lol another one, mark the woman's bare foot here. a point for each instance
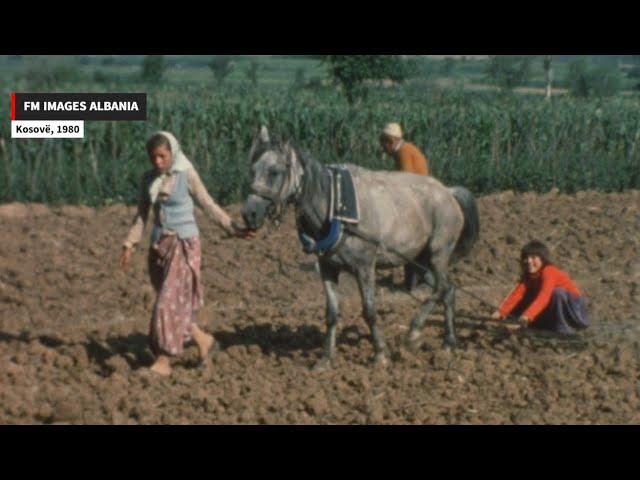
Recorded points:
(205, 346)
(161, 366)
(203, 340)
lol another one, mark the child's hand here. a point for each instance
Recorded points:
(522, 324)
(496, 315)
(125, 257)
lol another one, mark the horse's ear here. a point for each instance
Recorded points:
(264, 134)
(261, 139)
(286, 148)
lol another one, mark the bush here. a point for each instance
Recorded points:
(593, 81)
(508, 71)
(447, 66)
(634, 72)
(45, 76)
(252, 73)
(100, 76)
(299, 80)
(314, 83)
(221, 68)
(153, 68)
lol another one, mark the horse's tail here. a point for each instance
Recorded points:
(471, 230)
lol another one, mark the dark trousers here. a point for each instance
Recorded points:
(565, 313)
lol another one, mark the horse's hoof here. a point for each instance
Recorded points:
(322, 365)
(380, 360)
(411, 342)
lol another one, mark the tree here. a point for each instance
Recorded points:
(300, 80)
(352, 71)
(548, 74)
(593, 81)
(221, 68)
(153, 68)
(252, 73)
(508, 71)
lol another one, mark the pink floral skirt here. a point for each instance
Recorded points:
(174, 268)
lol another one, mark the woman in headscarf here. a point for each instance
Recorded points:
(174, 254)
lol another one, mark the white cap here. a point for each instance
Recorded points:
(393, 130)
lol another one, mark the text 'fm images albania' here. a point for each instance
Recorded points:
(339, 239)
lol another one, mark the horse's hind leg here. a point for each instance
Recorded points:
(417, 322)
(366, 283)
(447, 295)
(330, 282)
(449, 300)
(443, 292)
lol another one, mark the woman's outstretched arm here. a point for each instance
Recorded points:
(142, 214)
(139, 222)
(199, 191)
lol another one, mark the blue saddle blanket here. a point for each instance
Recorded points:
(344, 197)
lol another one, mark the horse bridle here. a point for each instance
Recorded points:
(278, 204)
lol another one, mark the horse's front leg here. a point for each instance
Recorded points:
(366, 282)
(330, 276)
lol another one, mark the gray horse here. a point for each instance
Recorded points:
(411, 216)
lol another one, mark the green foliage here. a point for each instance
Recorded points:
(46, 76)
(508, 71)
(585, 81)
(105, 77)
(634, 72)
(351, 71)
(221, 68)
(299, 80)
(100, 76)
(447, 66)
(484, 141)
(83, 59)
(252, 73)
(153, 68)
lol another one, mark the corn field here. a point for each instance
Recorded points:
(487, 142)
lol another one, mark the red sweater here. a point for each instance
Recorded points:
(538, 289)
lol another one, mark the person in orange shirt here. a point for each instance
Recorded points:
(546, 297)
(408, 159)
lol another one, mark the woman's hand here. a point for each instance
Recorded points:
(242, 232)
(125, 257)
(523, 321)
(496, 315)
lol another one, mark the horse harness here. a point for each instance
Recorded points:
(343, 209)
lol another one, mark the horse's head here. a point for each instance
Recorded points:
(277, 176)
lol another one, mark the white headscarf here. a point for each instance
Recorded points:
(179, 163)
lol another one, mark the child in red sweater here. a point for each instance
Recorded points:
(545, 298)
